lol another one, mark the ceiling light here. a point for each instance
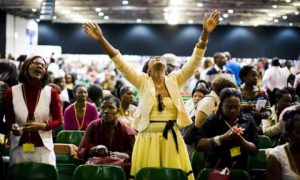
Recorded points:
(297, 13)
(138, 20)
(190, 21)
(287, 1)
(125, 2)
(106, 17)
(272, 14)
(98, 9)
(275, 20)
(241, 22)
(39, 1)
(199, 4)
(290, 24)
(166, 9)
(296, 4)
(284, 17)
(225, 15)
(172, 22)
(221, 19)
(230, 11)
(33, 10)
(274, 6)
(54, 17)
(100, 14)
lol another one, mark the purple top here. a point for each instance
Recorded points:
(70, 122)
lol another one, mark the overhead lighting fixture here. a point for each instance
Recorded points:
(98, 9)
(38, 20)
(100, 14)
(290, 24)
(39, 1)
(288, 1)
(125, 2)
(106, 17)
(274, 6)
(139, 20)
(296, 4)
(200, 4)
(241, 22)
(297, 13)
(275, 20)
(225, 15)
(284, 17)
(54, 17)
(230, 11)
(190, 21)
(167, 9)
(33, 10)
(221, 19)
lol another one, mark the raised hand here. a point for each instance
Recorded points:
(93, 30)
(211, 22)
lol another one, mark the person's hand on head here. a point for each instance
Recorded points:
(211, 22)
(93, 30)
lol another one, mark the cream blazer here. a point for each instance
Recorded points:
(144, 83)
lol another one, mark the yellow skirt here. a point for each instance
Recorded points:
(151, 149)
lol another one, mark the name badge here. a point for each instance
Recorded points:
(28, 147)
(235, 151)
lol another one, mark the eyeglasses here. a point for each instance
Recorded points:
(161, 105)
(36, 63)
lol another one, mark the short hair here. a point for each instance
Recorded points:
(280, 92)
(24, 75)
(275, 61)
(245, 70)
(112, 99)
(73, 77)
(76, 87)
(226, 93)
(217, 55)
(123, 90)
(146, 66)
(95, 92)
(8, 72)
(291, 117)
(219, 83)
(58, 80)
(199, 89)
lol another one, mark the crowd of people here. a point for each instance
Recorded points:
(147, 123)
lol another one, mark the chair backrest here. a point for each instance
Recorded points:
(264, 142)
(198, 162)
(257, 161)
(66, 171)
(69, 137)
(32, 171)
(151, 173)
(96, 172)
(235, 174)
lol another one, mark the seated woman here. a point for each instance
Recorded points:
(228, 136)
(255, 101)
(117, 137)
(284, 161)
(78, 115)
(270, 126)
(210, 103)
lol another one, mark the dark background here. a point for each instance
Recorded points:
(149, 39)
(2, 33)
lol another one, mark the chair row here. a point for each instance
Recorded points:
(39, 171)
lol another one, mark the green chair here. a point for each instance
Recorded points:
(257, 165)
(69, 137)
(198, 162)
(96, 172)
(235, 174)
(264, 142)
(66, 171)
(151, 173)
(32, 171)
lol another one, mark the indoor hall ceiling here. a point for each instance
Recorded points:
(234, 12)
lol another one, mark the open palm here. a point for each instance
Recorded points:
(211, 22)
(92, 30)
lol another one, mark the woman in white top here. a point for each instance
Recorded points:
(284, 161)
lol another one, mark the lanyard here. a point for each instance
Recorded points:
(83, 117)
(25, 99)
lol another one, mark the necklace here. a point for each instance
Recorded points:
(293, 162)
(83, 116)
